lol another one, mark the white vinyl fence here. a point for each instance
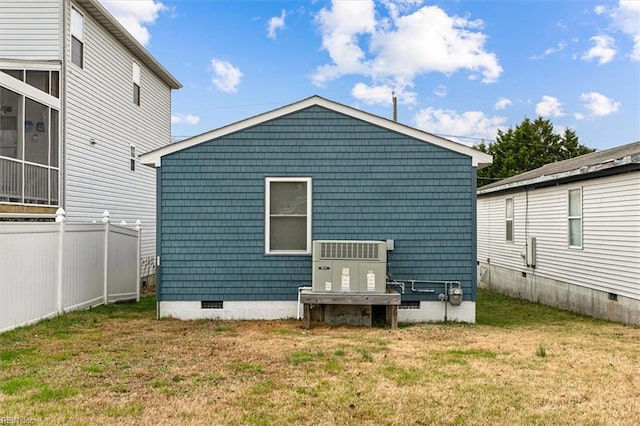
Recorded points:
(47, 269)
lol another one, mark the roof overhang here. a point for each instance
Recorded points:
(100, 14)
(609, 167)
(479, 159)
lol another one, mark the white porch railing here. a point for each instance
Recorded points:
(31, 183)
(47, 269)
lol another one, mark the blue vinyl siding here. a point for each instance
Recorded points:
(368, 184)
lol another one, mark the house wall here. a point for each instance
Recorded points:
(368, 184)
(608, 262)
(99, 107)
(30, 29)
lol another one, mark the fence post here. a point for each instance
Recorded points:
(105, 220)
(139, 229)
(60, 219)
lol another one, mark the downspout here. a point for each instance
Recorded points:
(158, 279)
(62, 154)
(474, 236)
(526, 214)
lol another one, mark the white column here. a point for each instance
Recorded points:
(139, 229)
(105, 220)
(60, 219)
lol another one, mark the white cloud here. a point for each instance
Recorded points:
(340, 28)
(561, 45)
(440, 91)
(502, 103)
(551, 50)
(635, 53)
(275, 23)
(225, 76)
(450, 124)
(136, 16)
(407, 43)
(189, 119)
(625, 18)
(381, 94)
(549, 107)
(579, 116)
(603, 50)
(599, 105)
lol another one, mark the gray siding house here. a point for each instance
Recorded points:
(80, 99)
(567, 234)
(239, 207)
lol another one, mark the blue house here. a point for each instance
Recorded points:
(239, 208)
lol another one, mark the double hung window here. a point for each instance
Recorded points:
(288, 215)
(574, 214)
(136, 84)
(77, 37)
(508, 219)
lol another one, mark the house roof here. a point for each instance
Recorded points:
(100, 14)
(576, 168)
(479, 159)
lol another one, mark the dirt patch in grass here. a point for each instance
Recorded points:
(118, 364)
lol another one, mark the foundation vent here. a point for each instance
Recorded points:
(211, 304)
(409, 304)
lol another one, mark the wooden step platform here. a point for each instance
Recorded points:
(390, 299)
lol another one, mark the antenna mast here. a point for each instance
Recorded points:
(395, 106)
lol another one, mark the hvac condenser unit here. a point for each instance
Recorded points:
(349, 266)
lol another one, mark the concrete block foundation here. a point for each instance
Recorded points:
(536, 288)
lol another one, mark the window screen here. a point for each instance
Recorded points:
(288, 226)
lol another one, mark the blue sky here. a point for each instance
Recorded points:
(460, 69)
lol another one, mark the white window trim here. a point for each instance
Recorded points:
(570, 218)
(509, 219)
(267, 215)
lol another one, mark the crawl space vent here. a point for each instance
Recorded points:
(410, 304)
(211, 304)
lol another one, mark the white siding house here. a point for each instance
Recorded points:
(573, 240)
(80, 99)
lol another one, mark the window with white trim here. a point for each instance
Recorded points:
(132, 160)
(508, 219)
(288, 215)
(136, 84)
(77, 37)
(574, 214)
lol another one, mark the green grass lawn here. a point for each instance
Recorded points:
(522, 363)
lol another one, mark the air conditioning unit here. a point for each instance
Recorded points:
(349, 266)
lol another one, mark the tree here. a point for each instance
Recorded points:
(530, 145)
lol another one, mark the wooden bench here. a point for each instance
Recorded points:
(390, 299)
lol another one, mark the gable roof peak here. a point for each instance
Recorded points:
(479, 159)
